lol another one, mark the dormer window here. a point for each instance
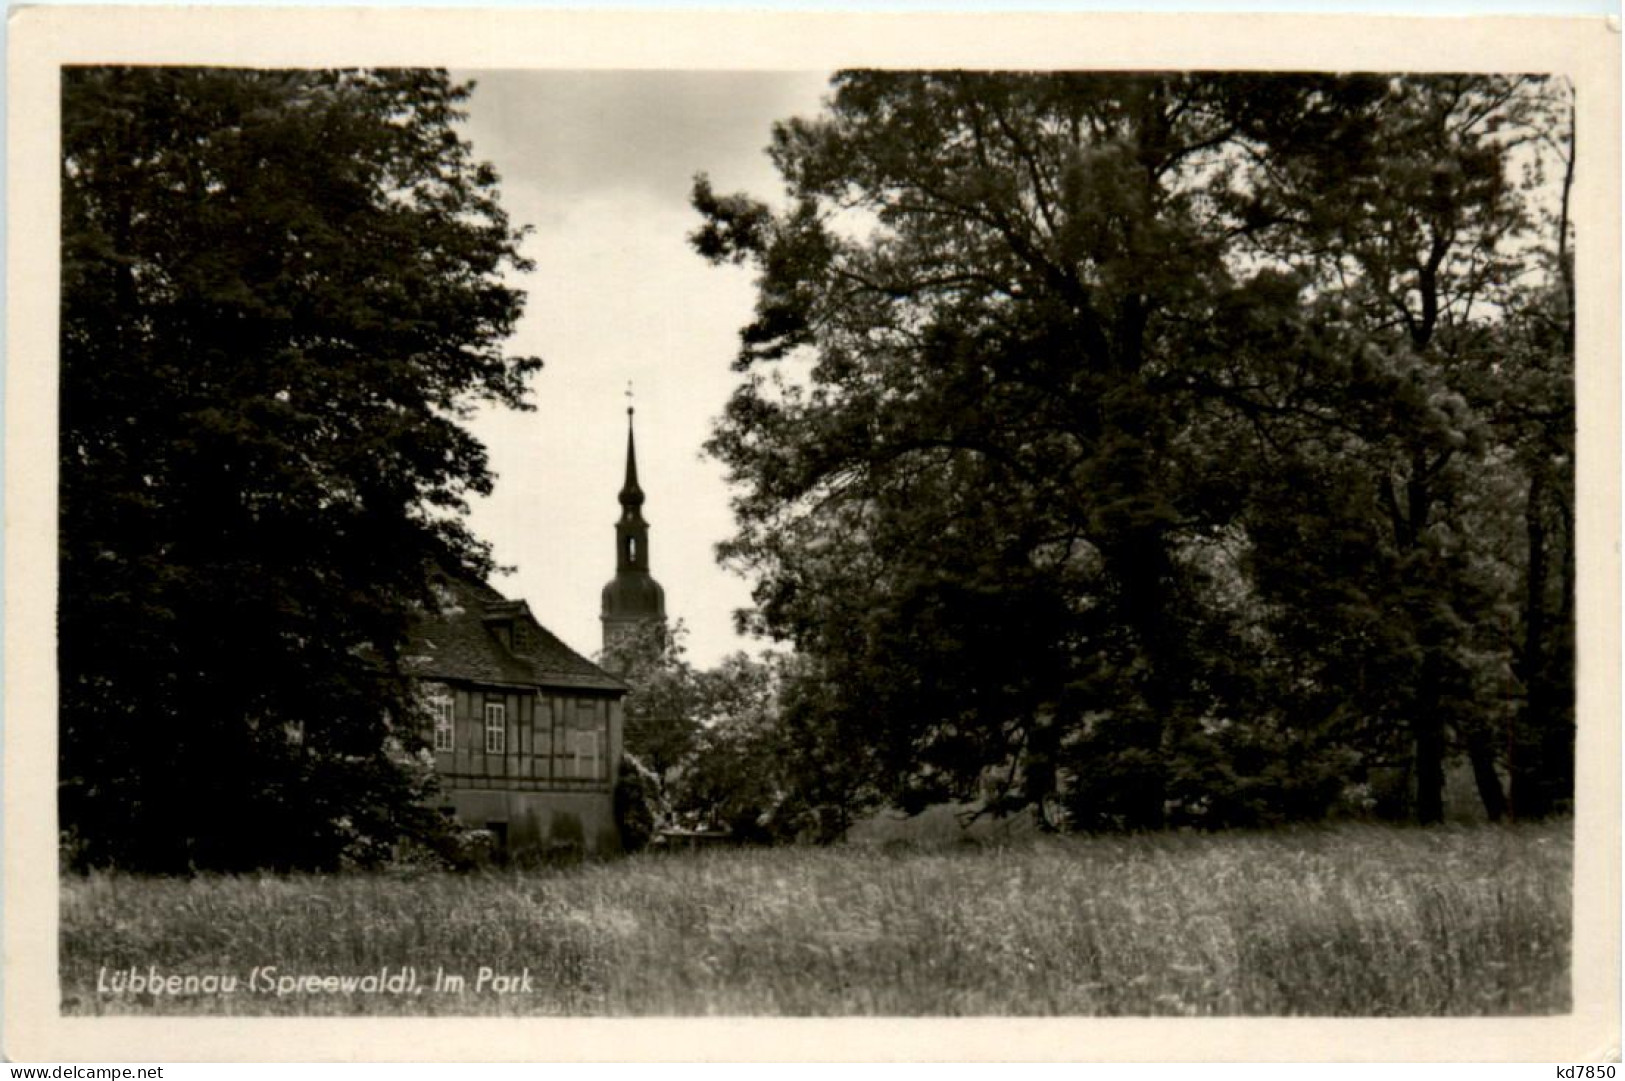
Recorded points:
(505, 619)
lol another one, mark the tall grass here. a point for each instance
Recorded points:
(1347, 921)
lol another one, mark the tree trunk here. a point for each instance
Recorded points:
(1543, 756)
(1429, 770)
(1543, 736)
(1142, 568)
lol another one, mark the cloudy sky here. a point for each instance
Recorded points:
(600, 164)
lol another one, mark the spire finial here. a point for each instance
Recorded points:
(629, 403)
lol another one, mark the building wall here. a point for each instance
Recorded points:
(540, 820)
(552, 782)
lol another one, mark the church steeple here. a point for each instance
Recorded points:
(632, 599)
(631, 532)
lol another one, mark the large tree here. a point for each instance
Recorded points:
(1383, 453)
(1120, 445)
(282, 291)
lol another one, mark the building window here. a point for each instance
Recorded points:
(591, 753)
(496, 728)
(585, 743)
(440, 706)
(542, 736)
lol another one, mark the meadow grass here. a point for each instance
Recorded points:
(1344, 921)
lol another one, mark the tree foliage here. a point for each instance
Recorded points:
(282, 291)
(663, 702)
(710, 748)
(1142, 447)
(740, 776)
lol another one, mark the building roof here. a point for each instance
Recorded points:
(480, 636)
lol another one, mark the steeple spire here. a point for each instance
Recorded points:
(631, 494)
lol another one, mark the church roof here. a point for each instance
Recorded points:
(480, 636)
(633, 595)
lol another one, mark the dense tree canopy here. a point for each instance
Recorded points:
(282, 291)
(1142, 448)
(708, 748)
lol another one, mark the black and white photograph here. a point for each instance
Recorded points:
(910, 539)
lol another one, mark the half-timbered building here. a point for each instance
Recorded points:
(527, 732)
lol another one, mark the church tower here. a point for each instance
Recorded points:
(632, 599)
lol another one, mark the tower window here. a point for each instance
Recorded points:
(632, 549)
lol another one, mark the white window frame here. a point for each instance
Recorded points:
(496, 728)
(444, 709)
